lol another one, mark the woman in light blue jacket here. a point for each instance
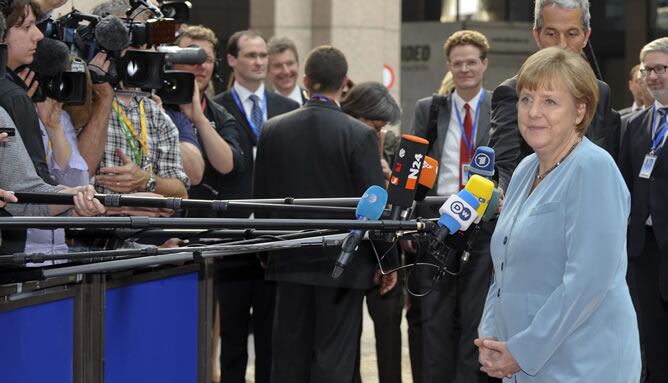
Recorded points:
(558, 309)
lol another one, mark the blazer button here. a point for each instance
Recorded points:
(651, 179)
(505, 240)
(501, 266)
(498, 293)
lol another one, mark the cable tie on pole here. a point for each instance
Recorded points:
(173, 203)
(113, 200)
(248, 233)
(219, 205)
(289, 200)
(140, 223)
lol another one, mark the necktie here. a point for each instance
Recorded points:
(257, 117)
(464, 149)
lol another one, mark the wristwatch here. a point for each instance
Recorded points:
(150, 184)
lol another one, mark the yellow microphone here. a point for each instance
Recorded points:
(483, 189)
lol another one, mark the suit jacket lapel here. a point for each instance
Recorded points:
(240, 115)
(442, 125)
(482, 135)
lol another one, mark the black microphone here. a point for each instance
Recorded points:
(406, 168)
(370, 207)
(111, 34)
(51, 58)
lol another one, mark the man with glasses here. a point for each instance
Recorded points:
(448, 316)
(642, 162)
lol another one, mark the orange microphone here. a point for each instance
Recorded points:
(427, 178)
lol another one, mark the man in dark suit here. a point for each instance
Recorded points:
(317, 151)
(563, 23)
(643, 162)
(450, 313)
(241, 284)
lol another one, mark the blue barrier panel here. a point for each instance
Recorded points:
(151, 331)
(37, 343)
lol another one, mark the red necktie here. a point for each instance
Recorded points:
(464, 152)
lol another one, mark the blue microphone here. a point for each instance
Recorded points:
(483, 162)
(369, 207)
(457, 214)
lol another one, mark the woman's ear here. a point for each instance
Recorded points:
(581, 110)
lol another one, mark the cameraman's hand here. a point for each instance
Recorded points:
(85, 203)
(48, 112)
(123, 179)
(194, 110)
(28, 76)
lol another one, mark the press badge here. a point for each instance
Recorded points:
(647, 165)
(465, 173)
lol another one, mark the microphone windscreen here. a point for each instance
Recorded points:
(372, 203)
(482, 162)
(459, 211)
(111, 34)
(483, 189)
(51, 57)
(406, 169)
(428, 174)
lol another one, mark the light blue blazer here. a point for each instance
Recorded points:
(559, 296)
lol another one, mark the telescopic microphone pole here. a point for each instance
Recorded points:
(209, 223)
(18, 259)
(116, 200)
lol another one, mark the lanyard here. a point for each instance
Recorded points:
(263, 108)
(131, 133)
(469, 141)
(319, 97)
(659, 133)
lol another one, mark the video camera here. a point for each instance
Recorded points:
(85, 35)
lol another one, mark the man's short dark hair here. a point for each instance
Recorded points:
(233, 41)
(326, 68)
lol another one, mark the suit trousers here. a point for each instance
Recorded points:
(245, 303)
(651, 308)
(316, 333)
(450, 315)
(385, 311)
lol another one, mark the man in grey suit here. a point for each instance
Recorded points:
(448, 317)
(565, 24)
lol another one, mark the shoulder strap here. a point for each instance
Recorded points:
(432, 122)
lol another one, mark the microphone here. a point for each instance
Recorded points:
(406, 170)
(51, 58)
(483, 189)
(483, 162)
(369, 207)
(427, 178)
(188, 56)
(111, 34)
(457, 214)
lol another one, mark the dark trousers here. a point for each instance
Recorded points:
(244, 304)
(450, 315)
(652, 309)
(316, 333)
(385, 311)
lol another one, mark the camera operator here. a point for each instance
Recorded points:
(142, 151)
(217, 130)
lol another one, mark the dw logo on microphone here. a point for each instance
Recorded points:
(460, 210)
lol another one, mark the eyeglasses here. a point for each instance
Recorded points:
(658, 69)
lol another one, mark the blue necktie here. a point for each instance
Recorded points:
(257, 117)
(661, 127)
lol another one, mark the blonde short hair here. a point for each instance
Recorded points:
(554, 67)
(467, 37)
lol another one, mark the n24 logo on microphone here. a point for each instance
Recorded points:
(460, 210)
(414, 171)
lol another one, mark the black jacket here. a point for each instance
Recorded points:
(317, 151)
(214, 185)
(239, 184)
(15, 100)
